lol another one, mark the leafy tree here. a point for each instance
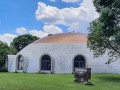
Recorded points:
(22, 41)
(104, 32)
(4, 51)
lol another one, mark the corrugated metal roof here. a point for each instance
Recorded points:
(64, 38)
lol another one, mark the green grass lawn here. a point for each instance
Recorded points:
(25, 81)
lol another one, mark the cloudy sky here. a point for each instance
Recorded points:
(41, 17)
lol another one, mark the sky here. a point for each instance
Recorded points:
(43, 17)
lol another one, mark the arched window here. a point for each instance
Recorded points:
(79, 62)
(45, 62)
(20, 63)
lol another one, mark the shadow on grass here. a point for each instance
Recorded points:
(110, 78)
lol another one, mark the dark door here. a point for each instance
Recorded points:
(46, 63)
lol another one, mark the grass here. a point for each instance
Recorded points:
(25, 81)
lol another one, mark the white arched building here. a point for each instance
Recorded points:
(60, 53)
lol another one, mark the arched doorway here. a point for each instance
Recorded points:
(79, 62)
(20, 62)
(46, 63)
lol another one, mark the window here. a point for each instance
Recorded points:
(20, 63)
(79, 62)
(46, 63)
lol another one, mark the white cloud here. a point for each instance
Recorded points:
(71, 1)
(75, 18)
(52, 29)
(21, 30)
(8, 38)
(52, 0)
(38, 33)
(47, 29)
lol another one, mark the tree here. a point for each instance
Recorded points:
(22, 41)
(104, 32)
(4, 51)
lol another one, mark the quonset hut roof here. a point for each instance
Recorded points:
(63, 38)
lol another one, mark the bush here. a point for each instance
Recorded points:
(3, 70)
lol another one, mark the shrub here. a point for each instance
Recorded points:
(3, 69)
